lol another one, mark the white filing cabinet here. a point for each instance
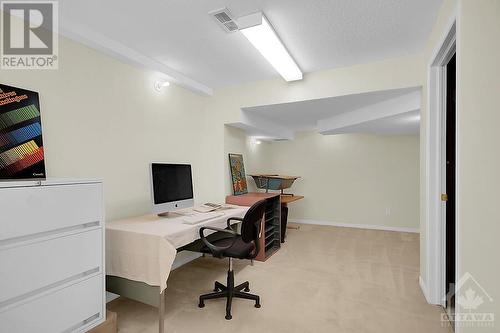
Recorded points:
(51, 256)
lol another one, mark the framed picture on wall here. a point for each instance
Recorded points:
(238, 175)
(21, 145)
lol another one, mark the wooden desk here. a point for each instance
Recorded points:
(286, 199)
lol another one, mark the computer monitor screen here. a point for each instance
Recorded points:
(172, 186)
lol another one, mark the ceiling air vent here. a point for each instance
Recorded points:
(224, 19)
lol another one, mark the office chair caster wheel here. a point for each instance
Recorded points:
(216, 289)
(246, 289)
(201, 305)
(229, 317)
(257, 305)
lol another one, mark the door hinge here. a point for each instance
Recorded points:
(444, 197)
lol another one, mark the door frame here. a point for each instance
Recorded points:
(435, 212)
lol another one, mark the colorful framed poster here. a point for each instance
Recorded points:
(238, 174)
(21, 145)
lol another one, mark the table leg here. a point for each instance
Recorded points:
(293, 227)
(286, 217)
(161, 313)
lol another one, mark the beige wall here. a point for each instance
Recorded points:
(255, 156)
(352, 178)
(224, 106)
(340, 174)
(478, 57)
(478, 162)
(103, 119)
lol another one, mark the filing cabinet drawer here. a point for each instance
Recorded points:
(40, 209)
(35, 266)
(65, 310)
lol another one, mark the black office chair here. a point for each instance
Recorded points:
(244, 246)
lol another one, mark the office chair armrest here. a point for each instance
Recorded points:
(233, 219)
(217, 250)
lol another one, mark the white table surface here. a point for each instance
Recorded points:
(143, 248)
(173, 228)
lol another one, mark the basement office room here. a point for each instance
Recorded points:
(249, 165)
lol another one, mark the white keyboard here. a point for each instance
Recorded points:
(208, 207)
(198, 218)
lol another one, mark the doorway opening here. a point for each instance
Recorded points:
(449, 197)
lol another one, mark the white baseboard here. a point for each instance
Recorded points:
(424, 289)
(359, 226)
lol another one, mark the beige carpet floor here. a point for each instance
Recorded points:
(323, 279)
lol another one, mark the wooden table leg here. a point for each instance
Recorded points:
(161, 313)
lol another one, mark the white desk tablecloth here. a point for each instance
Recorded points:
(143, 248)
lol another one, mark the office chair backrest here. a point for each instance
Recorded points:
(250, 228)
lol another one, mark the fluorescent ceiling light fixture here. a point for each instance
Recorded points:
(257, 29)
(159, 85)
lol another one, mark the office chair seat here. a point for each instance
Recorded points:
(239, 249)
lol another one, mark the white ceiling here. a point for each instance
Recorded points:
(304, 115)
(407, 123)
(181, 38)
(380, 112)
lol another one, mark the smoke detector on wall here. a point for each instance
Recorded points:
(224, 19)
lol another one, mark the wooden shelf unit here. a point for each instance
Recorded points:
(270, 241)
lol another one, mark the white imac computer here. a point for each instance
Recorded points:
(171, 187)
